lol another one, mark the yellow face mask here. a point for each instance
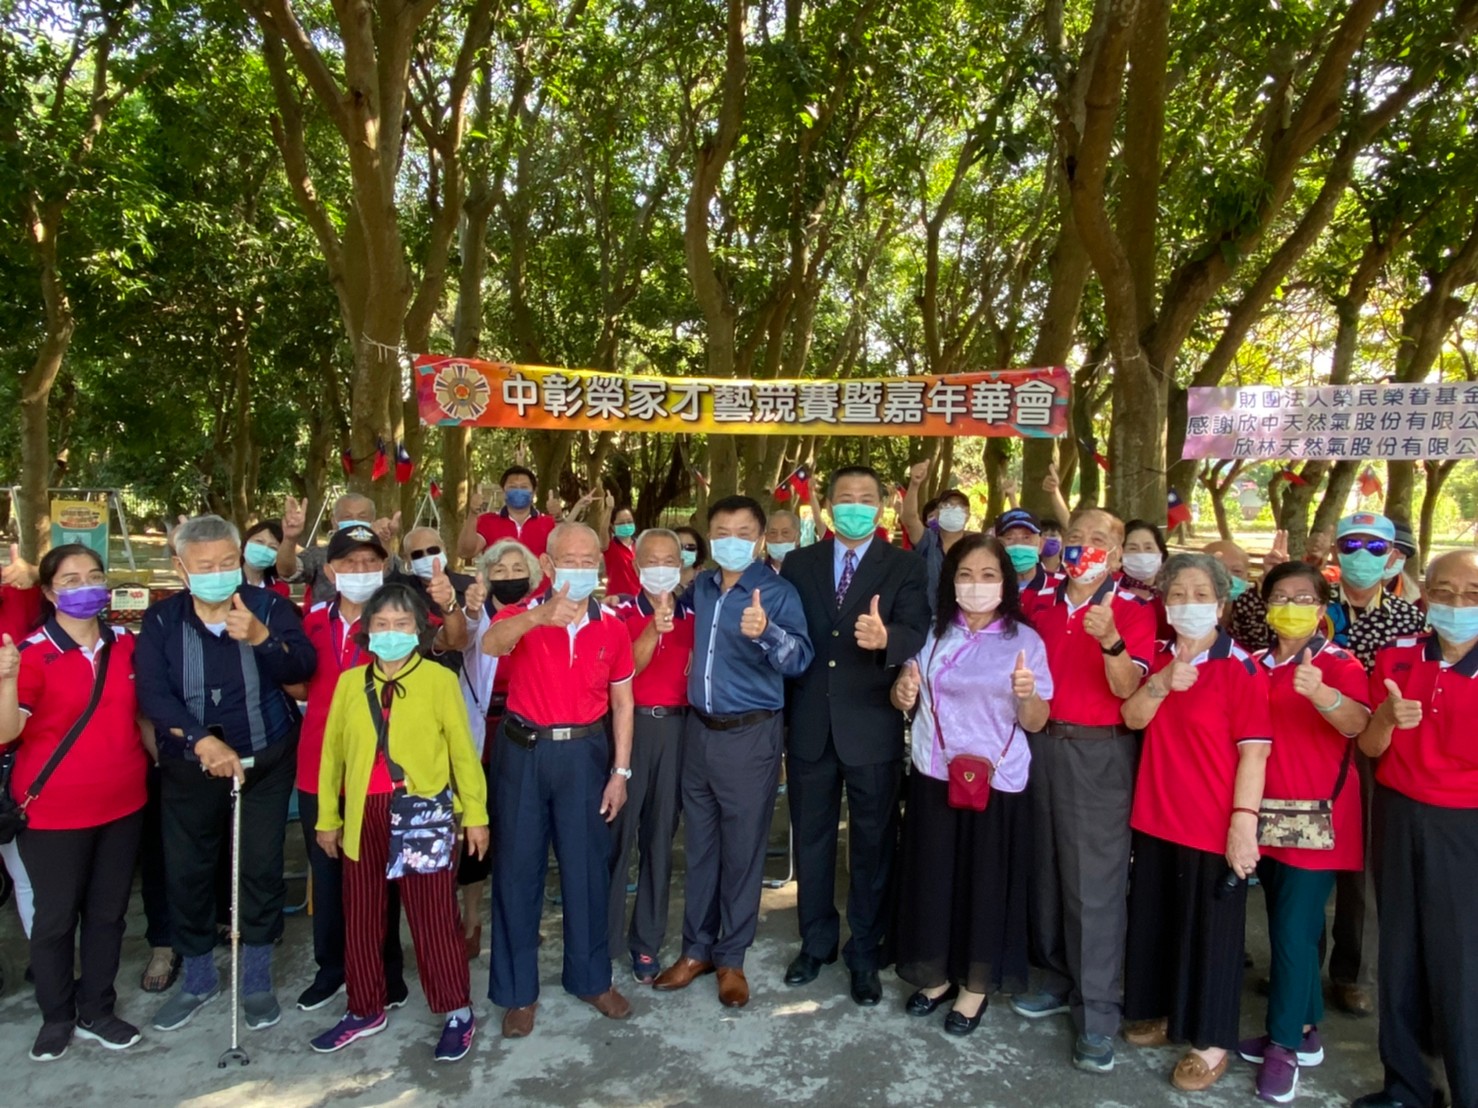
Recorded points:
(1294, 621)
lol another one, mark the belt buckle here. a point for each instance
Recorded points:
(560, 734)
(659, 712)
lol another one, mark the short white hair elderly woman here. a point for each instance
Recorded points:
(1207, 736)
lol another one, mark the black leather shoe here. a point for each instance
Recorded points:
(805, 969)
(921, 1005)
(1378, 1100)
(867, 990)
(957, 1023)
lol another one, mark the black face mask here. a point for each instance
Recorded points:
(507, 591)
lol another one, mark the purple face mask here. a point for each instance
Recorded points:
(1051, 548)
(84, 602)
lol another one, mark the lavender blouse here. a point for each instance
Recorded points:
(966, 692)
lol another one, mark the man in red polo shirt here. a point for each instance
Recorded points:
(1426, 842)
(1100, 641)
(517, 519)
(558, 776)
(661, 630)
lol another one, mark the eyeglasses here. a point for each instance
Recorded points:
(1452, 598)
(693, 549)
(429, 552)
(1351, 543)
(1302, 600)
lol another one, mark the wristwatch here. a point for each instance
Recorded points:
(1115, 650)
(624, 772)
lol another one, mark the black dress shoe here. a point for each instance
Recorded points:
(957, 1023)
(922, 1005)
(867, 990)
(1378, 1100)
(804, 969)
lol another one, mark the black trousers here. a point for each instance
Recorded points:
(82, 877)
(197, 827)
(1427, 858)
(648, 822)
(151, 867)
(1354, 899)
(815, 793)
(328, 906)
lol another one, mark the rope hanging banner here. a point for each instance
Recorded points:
(1019, 403)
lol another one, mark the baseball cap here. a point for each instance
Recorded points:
(346, 540)
(1016, 517)
(1366, 523)
(1405, 540)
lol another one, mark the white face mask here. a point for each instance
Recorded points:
(660, 579)
(953, 518)
(358, 587)
(1143, 567)
(1192, 621)
(425, 568)
(978, 596)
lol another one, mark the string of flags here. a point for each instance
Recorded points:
(404, 465)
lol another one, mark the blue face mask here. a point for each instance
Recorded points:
(1362, 568)
(778, 550)
(582, 582)
(1239, 586)
(392, 646)
(733, 553)
(1456, 625)
(690, 559)
(518, 499)
(854, 521)
(217, 587)
(1393, 570)
(624, 530)
(345, 524)
(259, 555)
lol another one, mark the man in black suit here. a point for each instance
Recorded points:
(867, 612)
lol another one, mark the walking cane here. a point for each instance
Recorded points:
(235, 1054)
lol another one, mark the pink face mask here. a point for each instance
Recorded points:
(978, 596)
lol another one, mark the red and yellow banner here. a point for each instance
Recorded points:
(1022, 403)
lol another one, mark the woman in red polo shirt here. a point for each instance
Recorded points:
(1317, 698)
(83, 820)
(1204, 712)
(618, 540)
(259, 556)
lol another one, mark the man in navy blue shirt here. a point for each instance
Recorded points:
(749, 636)
(210, 667)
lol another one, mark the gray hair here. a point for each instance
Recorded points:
(204, 529)
(343, 502)
(658, 533)
(1176, 564)
(565, 530)
(495, 554)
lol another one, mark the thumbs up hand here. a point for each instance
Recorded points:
(1308, 679)
(242, 626)
(871, 631)
(1098, 621)
(10, 659)
(1052, 482)
(662, 613)
(1182, 673)
(387, 530)
(475, 596)
(754, 621)
(19, 574)
(1401, 713)
(1023, 680)
(561, 611)
(440, 587)
(906, 687)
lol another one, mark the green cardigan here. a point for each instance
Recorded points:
(429, 739)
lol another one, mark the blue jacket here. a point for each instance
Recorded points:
(190, 679)
(732, 674)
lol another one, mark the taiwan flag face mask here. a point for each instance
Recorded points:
(1085, 563)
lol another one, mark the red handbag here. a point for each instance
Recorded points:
(969, 774)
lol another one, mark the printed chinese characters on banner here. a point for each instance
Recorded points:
(1376, 422)
(1015, 402)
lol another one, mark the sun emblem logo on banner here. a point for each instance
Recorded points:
(461, 391)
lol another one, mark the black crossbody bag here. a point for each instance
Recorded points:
(423, 831)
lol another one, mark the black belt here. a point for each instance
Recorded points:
(526, 734)
(733, 723)
(1059, 730)
(660, 712)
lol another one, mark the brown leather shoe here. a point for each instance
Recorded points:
(518, 1022)
(681, 974)
(1147, 1032)
(1193, 1075)
(610, 1004)
(733, 989)
(1354, 1000)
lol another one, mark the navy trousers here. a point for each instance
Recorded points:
(550, 793)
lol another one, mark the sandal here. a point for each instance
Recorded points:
(1193, 1075)
(1147, 1032)
(162, 971)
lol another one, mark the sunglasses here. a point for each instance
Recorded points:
(429, 552)
(1351, 543)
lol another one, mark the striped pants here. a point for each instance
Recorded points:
(430, 904)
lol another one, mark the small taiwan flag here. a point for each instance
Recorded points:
(435, 491)
(382, 461)
(1291, 477)
(797, 484)
(346, 459)
(403, 464)
(1369, 483)
(1176, 510)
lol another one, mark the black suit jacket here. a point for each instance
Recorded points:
(845, 692)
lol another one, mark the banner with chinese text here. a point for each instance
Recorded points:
(1367, 422)
(1028, 403)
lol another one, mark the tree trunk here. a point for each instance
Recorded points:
(241, 425)
(1437, 475)
(35, 400)
(1293, 512)
(1336, 493)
